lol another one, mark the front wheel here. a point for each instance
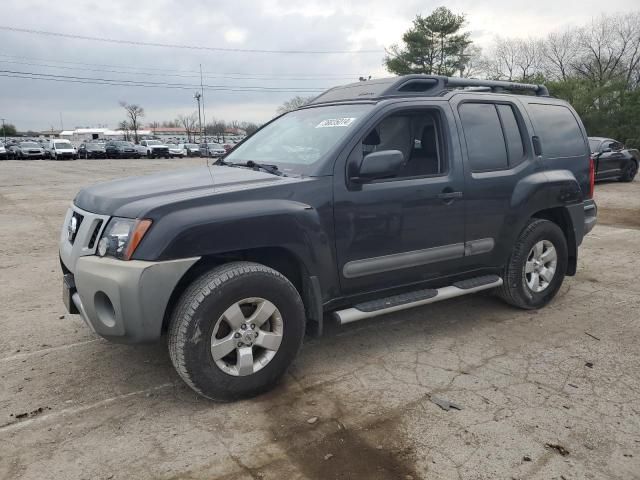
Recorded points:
(235, 331)
(629, 171)
(537, 266)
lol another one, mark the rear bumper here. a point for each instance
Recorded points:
(590, 215)
(125, 301)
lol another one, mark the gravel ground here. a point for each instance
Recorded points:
(547, 394)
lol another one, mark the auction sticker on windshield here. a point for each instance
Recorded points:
(335, 122)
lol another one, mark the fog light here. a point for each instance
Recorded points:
(103, 245)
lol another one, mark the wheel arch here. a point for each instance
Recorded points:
(278, 258)
(561, 217)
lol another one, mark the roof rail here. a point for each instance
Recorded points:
(497, 85)
(418, 85)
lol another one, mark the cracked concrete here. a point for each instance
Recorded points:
(523, 379)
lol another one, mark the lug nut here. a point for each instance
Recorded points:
(256, 334)
(239, 344)
(253, 326)
(236, 335)
(243, 326)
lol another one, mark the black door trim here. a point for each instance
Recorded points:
(415, 258)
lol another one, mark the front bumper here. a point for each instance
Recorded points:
(124, 301)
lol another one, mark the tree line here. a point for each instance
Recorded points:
(135, 113)
(596, 67)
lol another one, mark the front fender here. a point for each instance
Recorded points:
(221, 228)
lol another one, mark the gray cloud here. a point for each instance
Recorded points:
(269, 24)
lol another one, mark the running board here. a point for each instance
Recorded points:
(417, 298)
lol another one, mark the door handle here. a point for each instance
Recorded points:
(449, 195)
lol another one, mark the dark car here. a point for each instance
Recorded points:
(612, 160)
(92, 150)
(121, 149)
(3, 152)
(28, 150)
(376, 197)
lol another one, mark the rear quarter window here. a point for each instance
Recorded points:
(558, 129)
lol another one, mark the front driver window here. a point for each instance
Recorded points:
(417, 135)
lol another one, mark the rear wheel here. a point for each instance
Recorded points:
(235, 331)
(629, 171)
(536, 267)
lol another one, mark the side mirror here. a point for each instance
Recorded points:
(606, 150)
(378, 165)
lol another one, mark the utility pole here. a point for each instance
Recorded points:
(61, 124)
(4, 134)
(197, 96)
(203, 114)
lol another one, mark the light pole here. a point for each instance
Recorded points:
(4, 134)
(197, 96)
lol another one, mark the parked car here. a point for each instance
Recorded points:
(120, 149)
(176, 150)
(92, 150)
(191, 149)
(357, 208)
(28, 150)
(613, 161)
(212, 150)
(60, 150)
(3, 152)
(152, 149)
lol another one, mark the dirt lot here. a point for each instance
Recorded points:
(547, 394)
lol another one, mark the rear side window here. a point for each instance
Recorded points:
(558, 130)
(512, 135)
(483, 135)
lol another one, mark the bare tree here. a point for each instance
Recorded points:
(293, 104)
(559, 50)
(135, 113)
(188, 122)
(154, 126)
(124, 127)
(515, 59)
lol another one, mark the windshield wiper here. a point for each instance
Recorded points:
(269, 168)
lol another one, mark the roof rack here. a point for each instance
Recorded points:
(420, 86)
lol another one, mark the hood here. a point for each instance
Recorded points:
(157, 146)
(132, 197)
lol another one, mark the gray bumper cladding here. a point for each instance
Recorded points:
(125, 301)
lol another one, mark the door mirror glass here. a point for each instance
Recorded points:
(606, 150)
(379, 165)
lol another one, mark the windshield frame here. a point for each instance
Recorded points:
(324, 164)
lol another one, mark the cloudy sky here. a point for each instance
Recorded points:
(260, 81)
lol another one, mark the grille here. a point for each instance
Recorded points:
(94, 235)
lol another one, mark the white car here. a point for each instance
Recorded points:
(152, 149)
(176, 150)
(61, 149)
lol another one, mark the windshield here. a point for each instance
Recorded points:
(124, 144)
(593, 145)
(190, 145)
(29, 145)
(153, 142)
(62, 146)
(300, 138)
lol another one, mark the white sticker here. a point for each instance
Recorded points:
(335, 122)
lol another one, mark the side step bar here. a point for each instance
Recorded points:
(405, 301)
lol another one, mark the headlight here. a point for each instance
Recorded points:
(121, 237)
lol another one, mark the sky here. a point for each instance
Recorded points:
(260, 80)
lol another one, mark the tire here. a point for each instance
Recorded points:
(149, 155)
(199, 318)
(629, 172)
(516, 289)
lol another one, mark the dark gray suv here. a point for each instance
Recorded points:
(376, 197)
